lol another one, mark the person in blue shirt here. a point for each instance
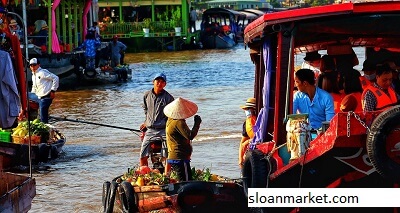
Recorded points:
(117, 48)
(90, 45)
(312, 100)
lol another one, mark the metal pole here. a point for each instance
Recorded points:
(25, 27)
(25, 23)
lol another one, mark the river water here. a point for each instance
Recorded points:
(218, 81)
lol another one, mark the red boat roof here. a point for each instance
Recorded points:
(314, 18)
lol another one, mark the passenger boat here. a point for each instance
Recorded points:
(16, 192)
(66, 30)
(220, 26)
(355, 149)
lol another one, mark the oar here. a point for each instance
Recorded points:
(98, 124)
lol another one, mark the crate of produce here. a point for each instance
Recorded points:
(18, 139)
(35, 139)
(5, 137)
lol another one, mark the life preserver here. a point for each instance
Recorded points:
(90, 73)
(111, 197)
(128, 197)
(105, 194)
(364, 82)
(195, 197)
(255, 170)
(383, 144)
(383, 101)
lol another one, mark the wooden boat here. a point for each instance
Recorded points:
(108, 74)
(104, 73)
(16, 192)
(16, 152)
(361, 147)
(222, 195)
(148, 190)
(61, 65)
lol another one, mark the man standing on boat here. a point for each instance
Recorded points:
(193, 19)
(154, 125)
(117, 48)
(44, 87)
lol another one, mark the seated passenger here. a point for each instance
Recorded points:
(312, 61)
(380, 95)
(369, 69)
(327, 64)
(396, 80)
(311, 99)
(41, 33)
(330, 84)
(352, 86)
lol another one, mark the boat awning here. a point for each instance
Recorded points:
(222, 11)
(352, 23)
(255, 11)
(249, 15)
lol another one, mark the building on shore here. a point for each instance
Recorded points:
(145, 25)
(239, 4)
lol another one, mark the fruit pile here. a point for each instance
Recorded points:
(37, 128)
(144, 176)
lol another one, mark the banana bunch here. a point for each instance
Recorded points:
(37, 128)
(21, 130)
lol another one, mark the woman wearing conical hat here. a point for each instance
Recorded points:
(179, 136)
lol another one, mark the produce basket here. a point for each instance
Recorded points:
(5, 136)
(35, 139)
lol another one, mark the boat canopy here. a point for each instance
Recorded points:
(255, 11)
(320, 27)
(249, 15)
(222, 12)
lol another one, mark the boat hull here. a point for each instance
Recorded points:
(16, 192)
(61, 67)
(188, 196)
(217, 42)
(122, 74)
(14, 154)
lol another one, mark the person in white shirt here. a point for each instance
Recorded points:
(44, 86)
(312, 61)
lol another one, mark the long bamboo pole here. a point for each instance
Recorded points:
(93, 123)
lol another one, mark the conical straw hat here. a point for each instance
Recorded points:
(180, 108)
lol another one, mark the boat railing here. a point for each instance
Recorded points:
(135, 29)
